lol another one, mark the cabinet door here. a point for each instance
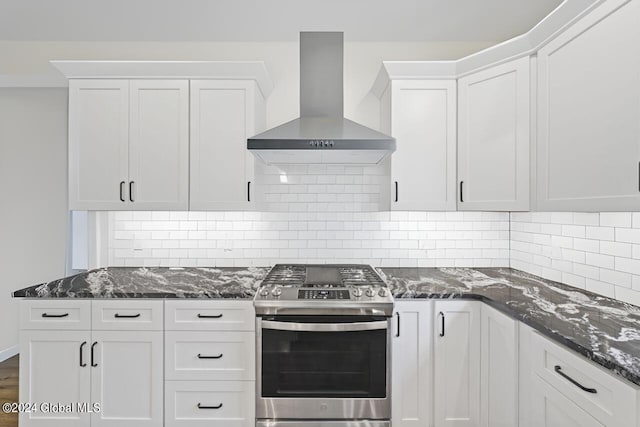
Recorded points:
(493, 138)
(128, 379)
(51, 371)
(457, 363)
(423, 167)
(499, 369)
(411, 364)
(98, 144)
(223, 115)
(589, 114)
(550, 408)
(159, 145)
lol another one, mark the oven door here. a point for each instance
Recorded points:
(323, 367)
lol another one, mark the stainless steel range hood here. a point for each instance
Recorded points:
(321, 134)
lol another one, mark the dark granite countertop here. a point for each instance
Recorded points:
(153, 282)
(602, 329)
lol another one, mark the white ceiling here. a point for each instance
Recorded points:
(268, 20)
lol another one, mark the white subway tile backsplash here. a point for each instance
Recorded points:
(596, 251)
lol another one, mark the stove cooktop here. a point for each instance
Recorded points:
(320, 287)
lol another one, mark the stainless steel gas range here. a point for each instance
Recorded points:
(323, 347)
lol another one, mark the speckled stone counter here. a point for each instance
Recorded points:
(602, 329)
(152, 282)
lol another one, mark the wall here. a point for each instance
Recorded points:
(595, 251)
(33, 184)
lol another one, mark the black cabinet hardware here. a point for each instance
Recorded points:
(461, 198)
(248, 191)
(82, 364)
(206, 316)
(201, 406)
(92, 355)
(558, 369)
(55, 315)
(396, 191)
(126, 316)
(398, 324)
(131, 190)
(441, 314)
(122, 191)
(209, 357)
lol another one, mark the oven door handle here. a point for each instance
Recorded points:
(324, 327)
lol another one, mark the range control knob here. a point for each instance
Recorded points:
(277, 291)
(264, 292)
(357, 292)
(383, 292)
(371, 292)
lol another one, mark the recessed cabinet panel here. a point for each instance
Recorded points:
(588, 114)
(159, 144)
(423, 121)
(223, 116)
(457, 363)
(493, 138)
(51, 372)
(98, 143)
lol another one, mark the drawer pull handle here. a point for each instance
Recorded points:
(206, 316)
(558, 369)
(209, 357)
(126, 316)
(55, 315)
(201, 406)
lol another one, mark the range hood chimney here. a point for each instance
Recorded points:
(321, 134)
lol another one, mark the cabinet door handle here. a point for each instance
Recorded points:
(131, 190)
(209, 357)
(248, 191)
(82, 363)
(441, 314)
(92, 354)
(207, 316)
(122, 191)
(126, 316)
(397, 324)
(55, 315)
(201, 406)
(558, 369)
(461, 198)
(396, 191)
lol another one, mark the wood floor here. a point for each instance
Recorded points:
(8, 390)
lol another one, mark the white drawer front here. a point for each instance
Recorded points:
(210, 315)
(130, 315)
(210, 356)
(70, 314)
(614, 401)
(222, 403)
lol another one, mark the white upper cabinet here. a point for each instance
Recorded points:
(159, 144)
(98, 144)
(421, 115)
(493, 138)
(128, 144)
(589, 113)
(224, 113)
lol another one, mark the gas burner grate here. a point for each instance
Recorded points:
(294, 275)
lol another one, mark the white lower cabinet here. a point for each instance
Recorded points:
(126, 378)
(498, 369)
(108, 377)
(411, 363)
(54, 368)
(210, 403)
(457, 363)
(210, 363)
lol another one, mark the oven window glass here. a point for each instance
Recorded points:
(324, 364)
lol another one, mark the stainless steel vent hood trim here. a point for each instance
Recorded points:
(321, 134)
